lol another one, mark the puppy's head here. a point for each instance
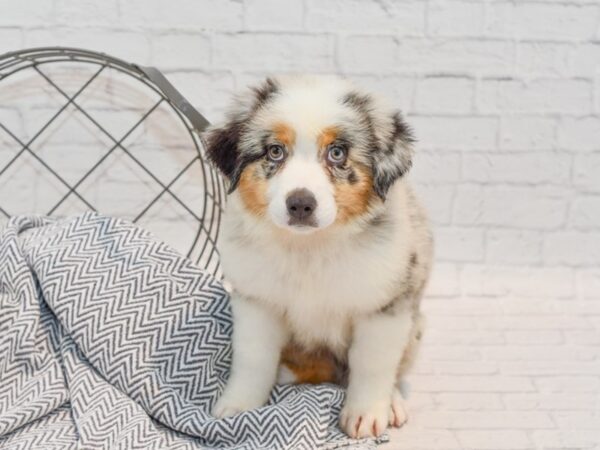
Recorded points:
(309, 152)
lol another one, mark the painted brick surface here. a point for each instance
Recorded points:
(504, 98)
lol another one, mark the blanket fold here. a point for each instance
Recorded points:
(111, 339)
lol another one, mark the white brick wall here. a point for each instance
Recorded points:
(504, 97)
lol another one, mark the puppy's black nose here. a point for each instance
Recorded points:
(301, 205)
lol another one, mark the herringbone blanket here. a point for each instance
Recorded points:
(111, 339)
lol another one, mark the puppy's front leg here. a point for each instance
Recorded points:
(258, 338)
(372, 401)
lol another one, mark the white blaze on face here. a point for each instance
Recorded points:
(308, 106)
(302, 173)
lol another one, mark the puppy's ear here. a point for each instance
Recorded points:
(222, 149)
(392, 157)
(223, 143)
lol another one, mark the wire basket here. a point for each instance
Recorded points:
(81, 131)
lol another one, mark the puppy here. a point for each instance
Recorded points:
(325, 245)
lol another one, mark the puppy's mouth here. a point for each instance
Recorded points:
(301, 224)
(302, 228)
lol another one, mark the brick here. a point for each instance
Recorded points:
(455, 18)
(499, 20)
(542, 322)
(468, 204)
(595, 321)
(545, 368)
(222, 15)
(397, 91)
(572, 248)
(398, 18)
(494, 439)
(584, 59)
(452, 95)
(478, 280)
(444, 281)
(356, 54)
(567, 401)
(142, 13)
(464, 401)
(534, 337)
(438, 201)
(471, 384)
(90, 12)
(586, 170)
(274, 15)
(466, 368)
(279, 52)
(490, 420)
(527, 133)
(27, 13)
(513, 305)
(586, 307)
(559, 384)
(181, 50)
(439, 352)
(539, 20)
(11, 118)
(577, 420)
(579, 133)
(513, 247)
(465, 337)
(459, 244)
(589, 281)
(524, 168)
(583, 337)
(210, 92)
(10, 39)
(561, 96)
(415, 438)
(537, 353)
(542, 59)
(130, 46)
(585, 213)
(562, 439)
(462, 56)
(521, 207)
(434, 167)
(597, 94)
(455, 133)
(467, 307)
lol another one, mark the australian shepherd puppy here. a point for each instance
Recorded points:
(325, 246)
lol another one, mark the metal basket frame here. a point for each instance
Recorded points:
(35, 59)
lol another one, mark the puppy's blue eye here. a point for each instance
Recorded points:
(336, 154)
(275, 152)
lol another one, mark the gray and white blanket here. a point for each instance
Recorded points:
(111, 339)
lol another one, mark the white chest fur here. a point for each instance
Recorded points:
(318, 287)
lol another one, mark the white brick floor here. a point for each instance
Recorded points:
(513, 371)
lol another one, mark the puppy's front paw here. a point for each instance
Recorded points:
(364, 420)
(231, 404)
(360, 420)
(398, 416)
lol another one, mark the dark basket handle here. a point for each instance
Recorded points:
(198, 121)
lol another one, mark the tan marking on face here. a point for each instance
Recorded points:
(284, 134)
(253, 190)
(327, 136)
(353, 199)
(310, 366)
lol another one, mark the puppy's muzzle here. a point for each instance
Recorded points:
(301, 205)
